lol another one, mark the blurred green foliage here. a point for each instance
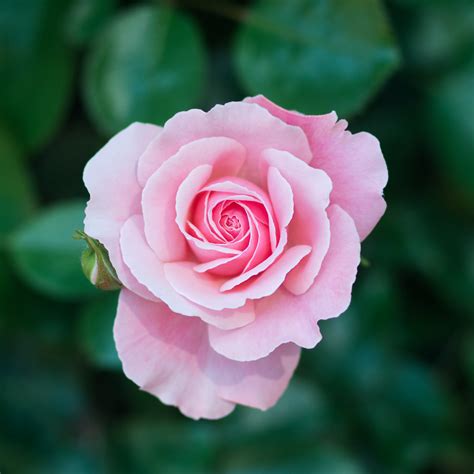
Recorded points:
(390, 388)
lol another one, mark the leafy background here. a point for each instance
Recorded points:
(390, 388)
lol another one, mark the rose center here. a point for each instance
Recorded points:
(230, 223)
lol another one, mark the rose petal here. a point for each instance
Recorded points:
(354, 163)
(149, 270)
(169, 356)
(113, 168)
(224, 154)
(160, 352)
(330, 294)
(187, 191)
(251, 125)
(280, 319)
(200, 218)
(281, 196)
(310, 224)
(253, 269)
(284, 317)
(259, 247)
(204, 289)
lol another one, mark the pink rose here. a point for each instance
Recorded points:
(233, 232)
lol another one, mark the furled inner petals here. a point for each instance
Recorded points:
(232, 220)
(228, 214)
(205, 290)
(257, 249)
(249, 192)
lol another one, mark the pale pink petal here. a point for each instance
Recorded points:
(149, 270)
(204, 289)
(160, 351)
(310, 225)
(206, 252)
(261, 267)
(187, 191)
(200, 219)
(331, 291)
(158, 201)
(281, 196)
(259, 247)
(280, 318)
(251, 125)
(284, 317)
(354, 163)
(110, 178)
(258, 384)
(169, 356)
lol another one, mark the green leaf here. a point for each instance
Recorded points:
(30, 315)
(17, 199)
(312, 461)
(43, 410)
(47, 257)
(449, 114)
(316, 56)
(60, 165)
(146, 446)
(95, 335)
(146, 66)
(437, 35)
(468, 359)
(35, 68)
(86, 17)
(38, 414)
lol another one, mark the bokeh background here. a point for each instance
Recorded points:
(390, 388)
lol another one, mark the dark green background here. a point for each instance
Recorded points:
(390, 388)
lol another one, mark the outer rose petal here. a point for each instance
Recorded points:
(310, 225)
(205, 289)
(110, 178)
(169, 356)
(283, 317)
(149, 270)
(249, 124)
(354, 163)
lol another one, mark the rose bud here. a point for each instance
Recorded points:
(96, 264)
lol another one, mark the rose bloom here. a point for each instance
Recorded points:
(233, 232)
